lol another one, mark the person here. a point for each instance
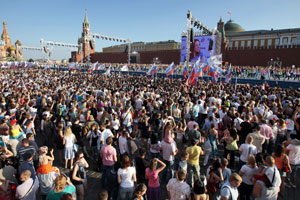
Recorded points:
(214, 140)
(182, 163)
(25, 148)
(139, 192)
(200, 191)
(258, 140)
(112, 185)
(168, 153)
(230, 189)
(294, 157)
(141, 164)
(246, 150)
(109, 157)
(27, 190)
(207, 148)
(152, 174)
(177, 188)
(94, 136)
(78, 175)
(62, 185)
(226, 172)
(231, 146)
(154, 146)
(66, 196)
(60, 142)
(196, 51)
(126, 179)
(27, 164)
(193, 169)
(103, 195)
(43, 158)
(247, 171)
(69, 141)
(214, 179)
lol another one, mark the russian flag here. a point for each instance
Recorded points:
(212, 71)
(185, 72)
(93, 67)
(228, 75)
(72, 66)
(192, 77)
(170, 70)
(152, 70)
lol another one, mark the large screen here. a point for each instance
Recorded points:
(199, 48)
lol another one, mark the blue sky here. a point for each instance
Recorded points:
(140, 20)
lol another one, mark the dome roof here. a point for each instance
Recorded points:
(230, 26)
(18, 43)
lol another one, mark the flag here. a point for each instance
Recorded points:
(229, 12)
(185, 71)
(72, 66)
(212, 71)
(152, 70)
(192, 77)
(170, 70)
(228, 75)
(93, 67)
(124, 68)
(24, 85)
(102, 67)
(235, 83)
(107, 73)
(215, 60)
(215, 79)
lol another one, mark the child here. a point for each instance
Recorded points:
(206, 148)
(139, 192)
(43, 158)
(182, 163)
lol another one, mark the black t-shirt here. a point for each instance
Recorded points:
(246, 128)
(77, 130)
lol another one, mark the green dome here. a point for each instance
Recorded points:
(230, 26)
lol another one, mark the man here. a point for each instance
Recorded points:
(246, 150)
(194, 134)
(193, 169)
(229, 190)
(109, 157)
(127, 119)
(192, 123)
(177, 188)
(169, 150)
(106, 133)
(27, 163)
(267, 132)
(27, 190)
(258, 140)
(245, 129)
(24, 148)
(294, 157)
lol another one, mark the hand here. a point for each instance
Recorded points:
(51, 151)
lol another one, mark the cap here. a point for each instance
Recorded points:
(12, 122)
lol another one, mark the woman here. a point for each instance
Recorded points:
(214, 178)
(152, 174)
(154, 146)
(282, 163)
(200, 191)
(69, 141)
(16, 131)
(126, 179)
(60, 142)
(281, 131)
(247, 171)
(214, 140)
(231, 146)
(180, 134)
(62, 185)
(94, 139)
(79, 178)
(139, 192)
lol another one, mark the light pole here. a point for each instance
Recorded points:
(188, 38)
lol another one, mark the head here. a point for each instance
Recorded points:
(224, 162)
(30, 136)
(43, 150)
(25, 142)
(235, 180)
(68, 132)
(143, 152)
(153, 164)
(103, 194)
(279, 150)
(184, 155)
(125, 161)
(140, 190)
(25, 175)
(269, 160)
(250, 140)
(196, 47)
(109, 140)
(79, 156)
(66, 196)
(181, 175)
(199, 188)
(60, 183)
(251, 161)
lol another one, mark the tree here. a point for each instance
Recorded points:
(30, 60)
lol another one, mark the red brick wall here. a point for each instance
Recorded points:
(109, 57)
(261, 56)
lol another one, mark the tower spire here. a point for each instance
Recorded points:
(86, 21)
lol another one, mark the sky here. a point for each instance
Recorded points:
(139, 20)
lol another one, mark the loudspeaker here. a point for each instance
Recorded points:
(192, 36)
(211, 43)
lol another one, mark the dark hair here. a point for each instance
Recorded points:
(103, 194)
(233, 133)
(216, 165)
(109, 140)
(199, 187)
(143, 152)
(153, 138)
(28, 135)
(77, 155)
(181, 175)
(139, 188)
(66, 196)
(25, 141)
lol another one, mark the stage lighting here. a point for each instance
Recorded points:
(188, 14)
(195, 24)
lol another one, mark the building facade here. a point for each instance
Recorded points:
(9, 52)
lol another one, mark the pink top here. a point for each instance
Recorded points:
(168, 137)
(266, 131)
(108, 153)
(153, 178)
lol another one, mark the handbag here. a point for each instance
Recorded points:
(75, 147)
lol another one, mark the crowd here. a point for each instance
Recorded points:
(148, 138)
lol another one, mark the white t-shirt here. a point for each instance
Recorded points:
(138, 104)
(105, 134)
(127, 118)
(69, 141)
(294, 154)
(246, 150)
(229, 192)
(123, 144)
(154, 147)
(24, 188)
(248, 174)
(126, 177)
(167, 150)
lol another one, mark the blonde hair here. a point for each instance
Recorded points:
(251, 161)
(235, 177)
(68, 132)
(60, 183)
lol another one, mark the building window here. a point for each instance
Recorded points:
(255, 43)
(262, 43)
(230, 44)
(249, 43)
(242, 44)
(285, 41)
(269, 42)
(277, 42)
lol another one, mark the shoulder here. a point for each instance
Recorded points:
(70, 189)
